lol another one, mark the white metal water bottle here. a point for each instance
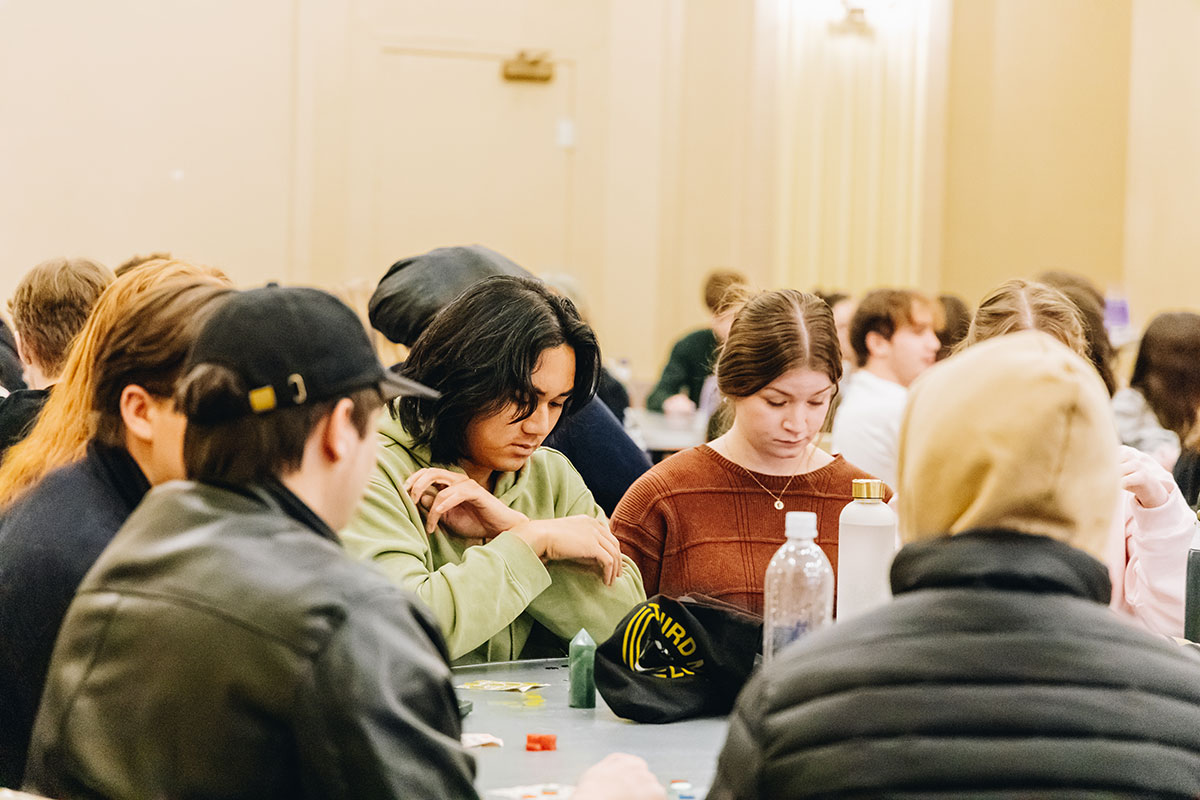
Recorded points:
(866, 546)
(798, 590)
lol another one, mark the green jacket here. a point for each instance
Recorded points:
(489, 597)
(691, 362)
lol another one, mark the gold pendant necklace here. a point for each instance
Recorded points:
(778, 498)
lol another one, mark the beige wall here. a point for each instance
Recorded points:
(320, 141)
(1038, 120)
(967, 142)
(131, 126)
(1162, 242)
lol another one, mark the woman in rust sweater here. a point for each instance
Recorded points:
(709, 519)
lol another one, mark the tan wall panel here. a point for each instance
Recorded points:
(133, 126)
(1036, 143)
(634, 108)
(1162, 245)
(705, 156)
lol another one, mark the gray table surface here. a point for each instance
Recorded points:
(676, 751)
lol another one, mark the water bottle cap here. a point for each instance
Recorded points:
(800, 525)
(867, 489)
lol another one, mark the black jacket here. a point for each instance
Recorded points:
(997, 671)
(224, 646)
(1187, 475)
(599, 448)
(11, 369)
(48, 542)
(18, 413)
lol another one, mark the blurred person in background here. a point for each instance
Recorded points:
(1159, 409)
(66, 424)
(12, 372)
(135, 261)
(610, 390)
(1153, 528)
(1090, 302)
(894, 336)
(958, 321)
(680, 387)
(843, 307)
(357, 294)
(49, 307)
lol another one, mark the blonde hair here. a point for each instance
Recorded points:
(67, 421)
(1019, 305)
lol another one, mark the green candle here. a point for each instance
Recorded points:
(582, 661)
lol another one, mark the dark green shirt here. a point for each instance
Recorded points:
(692, 360)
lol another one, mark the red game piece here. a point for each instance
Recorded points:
(541, 741)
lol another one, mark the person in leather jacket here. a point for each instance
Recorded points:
(223, 645)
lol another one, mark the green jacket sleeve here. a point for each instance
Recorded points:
(674, 378)
(472, 600)
(577, 597)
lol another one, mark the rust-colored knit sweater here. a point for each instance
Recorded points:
(697, 522)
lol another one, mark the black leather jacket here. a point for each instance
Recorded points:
(224, 646)
(997, 671)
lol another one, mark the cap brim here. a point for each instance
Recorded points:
(393, 386)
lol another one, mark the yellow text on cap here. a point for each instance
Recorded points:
(262, 399)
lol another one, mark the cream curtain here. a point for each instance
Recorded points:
(861, 118)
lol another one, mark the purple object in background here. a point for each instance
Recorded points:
(1116, 311)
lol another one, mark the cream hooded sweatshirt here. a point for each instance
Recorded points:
(1042, 459)
(1041, 456)
(1039, 462)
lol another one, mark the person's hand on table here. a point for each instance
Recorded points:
(1142, 475)
(619, 777)
(576, 538)
(678, 405)
(462, 505)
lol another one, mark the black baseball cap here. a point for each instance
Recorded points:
(291, 346)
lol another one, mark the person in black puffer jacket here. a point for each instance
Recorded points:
(997, 670)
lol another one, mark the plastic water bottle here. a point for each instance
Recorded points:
(866, 546)
(798, 589)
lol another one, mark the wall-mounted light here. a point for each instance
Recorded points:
(861, 16)
(535, 67)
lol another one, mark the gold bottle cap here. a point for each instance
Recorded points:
(868, 489)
